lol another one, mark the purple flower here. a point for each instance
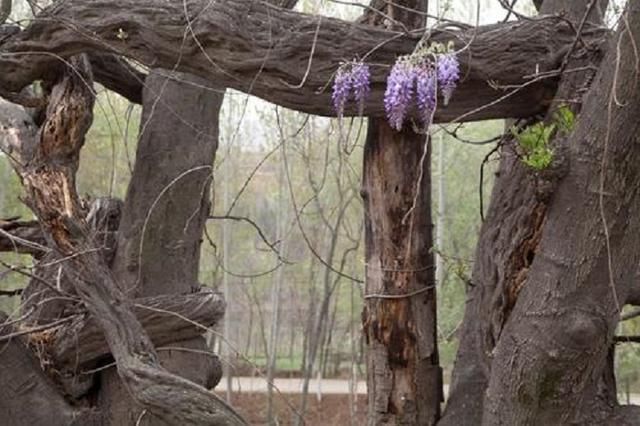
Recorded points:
(448, 70)
(426, 92)
(399, 92)
(341, 87)
(360, 76)
(350, 78)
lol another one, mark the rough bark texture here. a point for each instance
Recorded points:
(585, 264)
(50, 293)
(27, 396)
(403, 374)
(48, 173)
(404, 377)
(166, 319)
(286, 57)
(164, 216)
(117, 74)
(510, 236)
(165, 212)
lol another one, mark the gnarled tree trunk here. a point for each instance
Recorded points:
(165, 211)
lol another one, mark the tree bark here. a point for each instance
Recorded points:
(403, 374)
(289, 58)
(28, 397)
(23, 237)
(163, 220)
(404, 378)
(511, 233)
(48, 174)
(166, 319)
(585, 264)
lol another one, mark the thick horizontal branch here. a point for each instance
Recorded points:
(22, 237)
(118, 75)
(289, 58)
(166, 319)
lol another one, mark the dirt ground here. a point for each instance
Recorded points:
(332, 410)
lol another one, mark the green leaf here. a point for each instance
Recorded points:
(565, 118)
(534, 141)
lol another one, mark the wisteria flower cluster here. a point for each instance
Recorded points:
(424, 74)
(351, 79)
(418, 77)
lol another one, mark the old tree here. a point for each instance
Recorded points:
(557, 259)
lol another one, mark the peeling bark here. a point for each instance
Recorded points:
(404, 377)
(263, 50)
(403, 373)
(48, 176)
(50, 293)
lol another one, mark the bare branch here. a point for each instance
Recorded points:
(22, 237)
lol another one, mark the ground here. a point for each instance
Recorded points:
(332, 410)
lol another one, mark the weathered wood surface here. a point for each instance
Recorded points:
(399, 316)
(166, 319)
(118, 75)
(289, 58)
(48, 166)
(509, 239)
(160, 234)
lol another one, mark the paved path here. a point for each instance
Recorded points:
(326, 386)
(259, 384)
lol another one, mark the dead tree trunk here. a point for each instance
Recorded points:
(399, 318)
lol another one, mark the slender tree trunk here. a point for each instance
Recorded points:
(276, 290)
(225, 350)
(5, 10)
(440, 223)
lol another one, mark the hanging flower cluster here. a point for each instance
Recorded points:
(417, 76)
(448, 74)
(425, 72)
(351, 79)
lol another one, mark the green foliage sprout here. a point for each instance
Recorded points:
(534, 139)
